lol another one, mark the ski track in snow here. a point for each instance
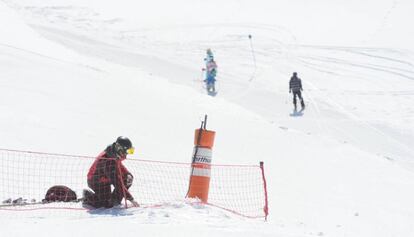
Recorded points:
(273, 45)
(331, 112)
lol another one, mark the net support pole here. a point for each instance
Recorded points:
(266, 206)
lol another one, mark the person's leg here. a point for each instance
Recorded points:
(101, 197)
(210, 86)
(209, 82)
(89, 197)
(103, 193)
(117, 195)
(294, 98)
(302, 103)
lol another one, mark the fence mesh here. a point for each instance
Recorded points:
(28, 175)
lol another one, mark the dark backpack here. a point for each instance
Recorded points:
(60, 193)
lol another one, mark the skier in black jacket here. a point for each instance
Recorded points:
(295, 86)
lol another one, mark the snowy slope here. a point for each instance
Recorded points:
(76, 74)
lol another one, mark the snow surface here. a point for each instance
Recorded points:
(76, 74)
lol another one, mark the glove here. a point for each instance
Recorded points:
(134, 203)
(129, 180)
(290, 91)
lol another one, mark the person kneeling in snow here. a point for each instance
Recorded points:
(106, 171)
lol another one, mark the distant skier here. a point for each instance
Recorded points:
(107, 170)
(211, 72)
(295, 86)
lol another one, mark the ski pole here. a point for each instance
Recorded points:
(254, 58)
(202, 74)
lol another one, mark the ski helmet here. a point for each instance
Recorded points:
(295, 74)
(126, 144)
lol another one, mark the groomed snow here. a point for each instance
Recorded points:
(75, 74)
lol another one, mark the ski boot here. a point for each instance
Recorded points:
(86, 199)
(86, 195)
(302, 104)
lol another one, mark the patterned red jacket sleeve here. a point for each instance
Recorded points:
(120, 185)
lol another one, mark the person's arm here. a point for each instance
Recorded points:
(128, 179)
(117, 182)
(111, 171)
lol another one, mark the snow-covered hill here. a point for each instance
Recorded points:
(76, 74)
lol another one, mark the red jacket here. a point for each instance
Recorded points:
(106, 169)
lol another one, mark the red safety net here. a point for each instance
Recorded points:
(25, 178)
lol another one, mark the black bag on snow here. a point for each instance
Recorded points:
(60, 193)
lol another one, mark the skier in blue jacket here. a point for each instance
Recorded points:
(211, 71)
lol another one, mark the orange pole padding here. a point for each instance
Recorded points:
(201, 166)
(199, 188)
(206, 139)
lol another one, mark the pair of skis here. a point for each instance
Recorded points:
(25, 202)
(17, 202)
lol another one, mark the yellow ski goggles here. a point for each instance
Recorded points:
(131, 151)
